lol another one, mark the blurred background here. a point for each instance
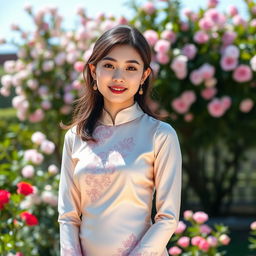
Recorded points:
(205, 63)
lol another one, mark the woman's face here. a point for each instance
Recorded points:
(121, 68)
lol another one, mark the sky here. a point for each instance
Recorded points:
(12, 11)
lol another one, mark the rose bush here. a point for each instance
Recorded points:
(198, 238)
(28, 195)
(47, 75)
(205, 67)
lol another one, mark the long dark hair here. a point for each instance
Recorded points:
(90, 104)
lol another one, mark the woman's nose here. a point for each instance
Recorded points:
(118, 76)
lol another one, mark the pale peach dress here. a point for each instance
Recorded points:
(106, 188)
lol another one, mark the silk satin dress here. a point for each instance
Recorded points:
(106, 188)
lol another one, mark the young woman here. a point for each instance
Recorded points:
(116, 154)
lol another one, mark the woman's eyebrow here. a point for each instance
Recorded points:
(128, 61)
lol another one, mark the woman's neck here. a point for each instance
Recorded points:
(114, 108)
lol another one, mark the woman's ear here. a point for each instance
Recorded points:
(146, 73)
(93, 71)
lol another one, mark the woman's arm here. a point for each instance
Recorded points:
(69, 203)
(168, 178)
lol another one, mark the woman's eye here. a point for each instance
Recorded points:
(108, 65)
(132, 68)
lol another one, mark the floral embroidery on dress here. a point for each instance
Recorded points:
(138, 251)
(97, 180)
(125, 146)
(101, 133)
(103, 165)
(133, 242)
(127, 246)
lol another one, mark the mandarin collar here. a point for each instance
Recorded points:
(124, 115)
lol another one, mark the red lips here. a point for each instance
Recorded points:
(117, 87)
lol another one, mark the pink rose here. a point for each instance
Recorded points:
(188, 96)
(187, 12)
(196, 240)
(168, 35)
(162, 58)
(37, 116)
(79, 66)
(183, 241)
(229, 37)
(228, 63)
(189, 50)
(201, 37)
(216, 17)
(226, 101)
(162, 46)
(231, 51)
(17, 101)
(253, 225)
(203, 245)
(76, 84)
(33, 156)
(28, 171)
(216, 108)
(208, 93)
(224, 239)
(175, 250)
(200, 217)
(32, 84)
(38, 137)
(181, 74)
(242, 73)
(196, 77)
(246, 105)
(53, 169)
(210, 82)
(149, 8)
(205, 229)
(184, 26)
(206, 23)
(180, 228)
(212, 240)
(49, 198)
(238, 20)
(179, 63)
(232, 10)
(151, 36)
(188, 117)
(188, 214)
(46, 104)
(180, 106)
(212, 3)
(253, 23)
(47, 147)
(68, 98)
(207, 71)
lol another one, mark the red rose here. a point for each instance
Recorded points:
(24, 188)
(4, 197)
(29, 218)
(19, 254)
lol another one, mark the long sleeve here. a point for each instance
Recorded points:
(69, 203)
(167, 178)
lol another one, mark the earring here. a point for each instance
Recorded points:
(95, 86)
(141, 90)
